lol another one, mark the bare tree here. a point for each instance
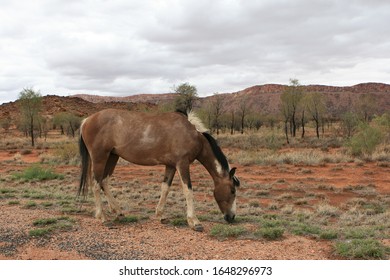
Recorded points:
(317, 108)
(232, 121)
(243, 111)
(217, 109)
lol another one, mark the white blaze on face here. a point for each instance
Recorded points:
(233, 209)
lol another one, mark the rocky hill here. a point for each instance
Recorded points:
(262, 99)
(265, 99)
(53, 104)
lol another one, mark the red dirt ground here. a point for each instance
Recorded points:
(152, 240)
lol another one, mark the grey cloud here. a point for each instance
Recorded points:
(126, 47)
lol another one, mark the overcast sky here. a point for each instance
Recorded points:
(127, 47)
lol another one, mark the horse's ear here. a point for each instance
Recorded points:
(232, 172)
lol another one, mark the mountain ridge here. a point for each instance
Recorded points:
(261, 99)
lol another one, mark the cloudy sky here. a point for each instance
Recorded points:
(126, 47)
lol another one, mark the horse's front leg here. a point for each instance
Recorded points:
(184, 173)
(165, 188)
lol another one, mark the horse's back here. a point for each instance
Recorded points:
(143, 138)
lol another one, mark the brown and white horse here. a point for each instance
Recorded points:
(171, 139)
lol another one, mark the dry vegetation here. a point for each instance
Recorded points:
(315, 191)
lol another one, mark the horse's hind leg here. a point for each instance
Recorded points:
(108, 171)
(98, 201)
(99, 161)
(165, 188)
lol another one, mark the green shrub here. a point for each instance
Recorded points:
(365, 140)
(361, 249)
(44, 222)
(13, 202)
(50, 225)
(222, 230)
(305, 229)
(31, 204)
(127, 219)
(39, 232)
(328, 234)
(37, 172)
(270, 233)
(179, 222)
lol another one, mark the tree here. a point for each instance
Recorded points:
(67, 121)
(243, 111)
(290, 100)
(186, 96)
(30, 103)
(349, 122)
(303, 109)
(285, 108)
(316, 107)
(366, 106)
(232, 121)
(217, 110)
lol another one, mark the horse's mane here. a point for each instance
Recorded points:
(217, 151)
(197, 122)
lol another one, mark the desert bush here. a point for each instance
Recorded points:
(44, 222)
(179, 222)
(299, 228)
(127, 219)
(247, 142)
(327, 210)
(67, 153)
(328, 234)
(47, 226)
(361, 249)
(38, 232)
(37, 172)
(365, 140)
(222, 230)
(270, 233)
(30, 204)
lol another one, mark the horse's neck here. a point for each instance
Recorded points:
(207, 158)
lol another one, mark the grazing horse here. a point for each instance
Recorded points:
(172, 139)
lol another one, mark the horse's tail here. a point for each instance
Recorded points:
(85, 167)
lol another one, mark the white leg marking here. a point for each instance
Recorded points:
(112, 203)
(162, 201)
(191, 217)
(98, 201)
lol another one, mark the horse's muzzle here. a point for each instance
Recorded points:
(229, 218)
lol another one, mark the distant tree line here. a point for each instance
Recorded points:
(34, 124)
(297, 109)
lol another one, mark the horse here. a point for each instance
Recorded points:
(173, 139)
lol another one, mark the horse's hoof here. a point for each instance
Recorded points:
(164, 221)
(198, 228)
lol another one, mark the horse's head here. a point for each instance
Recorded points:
(225, 195)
